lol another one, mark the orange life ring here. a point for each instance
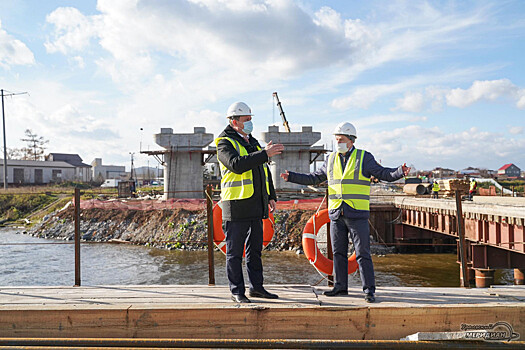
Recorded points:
(311, 250)
(219, 238)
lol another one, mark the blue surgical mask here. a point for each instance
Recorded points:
(248, 127)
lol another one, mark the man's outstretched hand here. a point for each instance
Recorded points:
(272, 149)
(406, 170)
(285, 175)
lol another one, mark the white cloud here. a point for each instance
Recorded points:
(489, 90)
(516, 130)
(364, 96)
(68, 119)
(79, 61)
(411, 102)
(416, 100)
(431, 147)
(13, 51)
(521, 101)
(73, 30)
(178, 62)
(329, 18)
(213, 31)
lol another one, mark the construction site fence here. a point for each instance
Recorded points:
(187, 204)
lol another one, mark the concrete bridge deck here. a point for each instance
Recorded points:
(206, 312)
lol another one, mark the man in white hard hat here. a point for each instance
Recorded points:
(348, 171)
(247, 195)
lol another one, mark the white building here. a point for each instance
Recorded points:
(102, 172)
(36, 171)
(82, 171)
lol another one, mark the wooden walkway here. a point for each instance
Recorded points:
(301, 312)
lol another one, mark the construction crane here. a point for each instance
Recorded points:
(285, 122)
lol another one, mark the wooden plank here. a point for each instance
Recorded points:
(302, 312)
(254, 323)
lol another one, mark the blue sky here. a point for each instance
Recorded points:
(437, 83)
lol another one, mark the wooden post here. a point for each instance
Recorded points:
(77, 237)
(461, 234)
(329, 245)
(209, 212)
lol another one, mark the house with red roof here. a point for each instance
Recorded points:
(509, 170)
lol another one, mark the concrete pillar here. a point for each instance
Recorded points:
(296, 155)
(484, 278)
(183, 162)
(519, 276)
(471, 276)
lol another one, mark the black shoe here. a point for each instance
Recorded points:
(370, 298)
(263, 293)
(335, 292)
(240, 298)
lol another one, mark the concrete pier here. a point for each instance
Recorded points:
(183, 176)
(296, 155)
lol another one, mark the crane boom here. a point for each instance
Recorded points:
(285, 122)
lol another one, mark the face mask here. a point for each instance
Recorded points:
(342, 148)
(248, 127)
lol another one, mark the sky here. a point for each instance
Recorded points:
(429, 83)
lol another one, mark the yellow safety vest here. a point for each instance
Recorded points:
(349, 186)
(435, 187)
(238, 186)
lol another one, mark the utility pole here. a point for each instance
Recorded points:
(3, 123)
(131, 171)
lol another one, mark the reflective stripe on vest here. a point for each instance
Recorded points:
(238, 186)
(349, 186)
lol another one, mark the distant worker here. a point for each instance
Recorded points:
(472, 189)
(348, 171)
(247, 194)
(435, 189)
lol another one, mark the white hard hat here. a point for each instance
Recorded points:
(345, 128)
(238, 109)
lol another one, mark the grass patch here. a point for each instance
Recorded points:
(14, 207)
(59, 204)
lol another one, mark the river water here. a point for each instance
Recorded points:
(30, 261)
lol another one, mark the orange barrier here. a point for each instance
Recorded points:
(311, 250)
(219, 238)
(304, 204)
(188, 204)
(144, 204)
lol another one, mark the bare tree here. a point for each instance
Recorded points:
(12, 153)
(35, 146)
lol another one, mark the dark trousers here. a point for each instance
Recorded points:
(360, 234)
(239, 233)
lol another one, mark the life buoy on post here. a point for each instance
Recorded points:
(311, 250)
(219, 238)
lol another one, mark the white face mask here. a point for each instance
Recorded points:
(342, 147)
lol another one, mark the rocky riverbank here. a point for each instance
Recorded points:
(168, 229)
(171, 229)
